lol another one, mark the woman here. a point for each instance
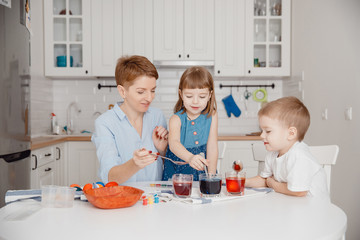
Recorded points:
(128, 136)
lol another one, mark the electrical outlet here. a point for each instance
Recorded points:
(348, 113)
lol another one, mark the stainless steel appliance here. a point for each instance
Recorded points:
(14, 98)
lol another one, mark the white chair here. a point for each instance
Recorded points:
(259, 153)
(326, 156)
(221, 148)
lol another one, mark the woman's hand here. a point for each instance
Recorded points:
(160, 139)
(143, 157)
(197, 162)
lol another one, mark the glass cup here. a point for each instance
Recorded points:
(235, 182)
(210, 184)
(182, 185)
(56, 196)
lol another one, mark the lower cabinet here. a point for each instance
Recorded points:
(82, 162)
(239, 150)
(43, 167)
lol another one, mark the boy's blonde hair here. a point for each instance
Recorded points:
(197, 77)
(290, 111)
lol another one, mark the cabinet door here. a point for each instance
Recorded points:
(138, 28)
(168, 29)
(239, 150)
(60, 164)
(47, 174)
(67, 38)
(229, 38)
(268, 37)
(106, 30)
(82, 163)
(199, 29)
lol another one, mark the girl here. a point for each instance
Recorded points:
(193, 128)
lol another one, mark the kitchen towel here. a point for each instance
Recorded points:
(231, 107)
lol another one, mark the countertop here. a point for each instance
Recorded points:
(48, 140)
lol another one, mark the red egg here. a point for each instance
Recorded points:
(111, 184)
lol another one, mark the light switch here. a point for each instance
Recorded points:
(348, 113)
(324, 114)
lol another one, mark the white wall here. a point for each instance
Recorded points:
(326, 46)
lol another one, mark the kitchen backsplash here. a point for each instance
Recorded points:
(93, 101)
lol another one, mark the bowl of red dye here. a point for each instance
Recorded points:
(113, 197)
(182, 185)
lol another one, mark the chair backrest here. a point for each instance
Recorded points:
(221, 148)
(325, 155)
(259, 153)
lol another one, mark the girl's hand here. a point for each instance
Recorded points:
(142, 157)
(197, 162)
(160, 139)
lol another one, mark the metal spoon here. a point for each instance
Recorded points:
(205, 167)
(175, 162)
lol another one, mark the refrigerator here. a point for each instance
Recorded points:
(15, 160)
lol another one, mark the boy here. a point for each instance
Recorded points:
(289, 166)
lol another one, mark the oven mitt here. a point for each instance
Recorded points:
(230, 106)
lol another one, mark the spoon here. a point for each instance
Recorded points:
(205, 167)
(175, 162)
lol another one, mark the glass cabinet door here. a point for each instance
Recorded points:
(268, 37)
(64, 34)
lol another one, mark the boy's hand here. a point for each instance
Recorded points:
(270, 181)
(197, 162)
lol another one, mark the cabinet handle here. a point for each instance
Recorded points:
(35, 162)
(48, 169)
(179, 55)
(249, 71)
(218, 71)
(86, 71)
(188, 56)
(58, 149)
(47, 154)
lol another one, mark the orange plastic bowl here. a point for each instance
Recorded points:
(113, 197)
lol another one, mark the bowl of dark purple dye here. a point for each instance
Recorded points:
(210, 184)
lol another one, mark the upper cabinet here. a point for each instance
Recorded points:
(120, 27)
(184, 30)
(67, 38)
(268, 37)
(229, 38)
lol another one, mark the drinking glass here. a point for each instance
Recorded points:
(210, 184)
(182, 185)
(235, 182)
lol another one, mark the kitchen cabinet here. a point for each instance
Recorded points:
(120, 27)
(82, 163)
(183, 30)
(268, 37)
(229, 38)
(239, 150)
(67, 38)
(61, 163)
(43, 167)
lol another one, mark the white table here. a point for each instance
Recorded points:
(269, 216)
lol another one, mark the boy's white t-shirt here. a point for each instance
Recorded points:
(299, 169)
